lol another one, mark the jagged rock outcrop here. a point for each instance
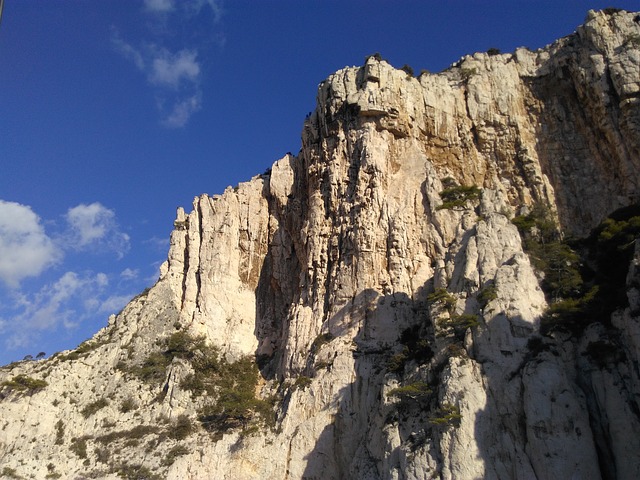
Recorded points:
(396, 338)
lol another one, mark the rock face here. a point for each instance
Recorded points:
(396, 339)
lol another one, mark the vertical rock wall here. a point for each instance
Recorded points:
(322, 268)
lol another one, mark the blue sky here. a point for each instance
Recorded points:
(115, 112)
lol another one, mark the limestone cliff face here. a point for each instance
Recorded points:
(325, 269)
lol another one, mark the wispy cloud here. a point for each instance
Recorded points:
(129, 274)
(55, 302)
(94, 227)
(174, 73)
(53, 306)
(159, 6)
(157, 243)
(60, 306)
(25, 249)
(128, 51)
(182, 111)
(170, 70)
(214, 6)
(114, 303)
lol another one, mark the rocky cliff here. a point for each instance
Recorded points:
(398, 301)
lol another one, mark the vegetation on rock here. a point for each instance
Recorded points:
(456, 198)
(411, 391)
(584, 280)
(93, 407)
(443, 298)
(448, 415)
(458, 323)
(23, 384)
(415, 347)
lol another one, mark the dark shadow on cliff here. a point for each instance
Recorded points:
(375, 323)
(356, 444)
(587, 136)
(580, 366)
(278, 287)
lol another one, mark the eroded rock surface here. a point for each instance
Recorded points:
(325, 268)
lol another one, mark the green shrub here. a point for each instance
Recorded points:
(319, 341)
(459, 323)
(524, 223)
(560, 264)
(538, 223)
(464, 320)
(128, 404)
(572, 314)
(397, 361)
(173, 454)
(153, 368)
(412, 391)
(467, 73)
(181, 428)
(79, 446)
(415, 348)
(456, 198)
(22, 383)
(59, 432)
(136, 472)
(556, 259)
(137, 432)
(322, 365)
(302, 382)
(579, 294)
(235, 404)
(442, 297)
(182, 345)
(230, 386)
(487, 294)
(82, 350)
(178, 345)
(493, 51)
(207, 370)
(376, 56)
(93, 407)
(408, 70)
(446, 416)
(9, 473)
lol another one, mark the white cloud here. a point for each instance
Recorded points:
(175, 76)
(160, 244)
(169, 70)
(129, 274)
(25, 248)
(95, 226)
(65, 303)
(159, 6)
(45, 310)
(215, 5)
(89, 222)
(174, 73)
(182, 111)
(102, 280)
(128, 51)
(114, 303)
